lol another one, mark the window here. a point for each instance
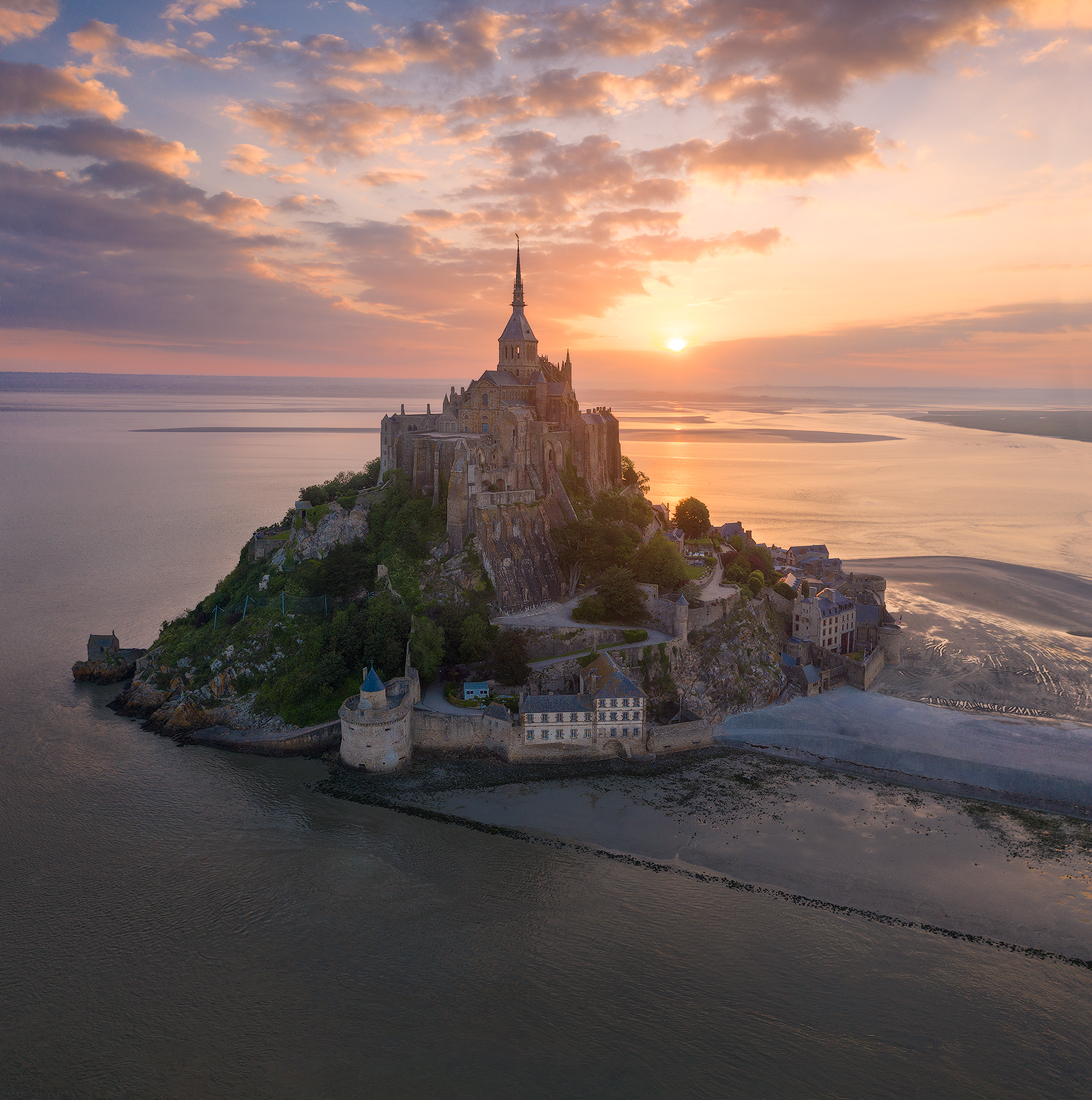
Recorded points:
(572, 735)
(485, 427)
(530, 735)
(587, 733)
(560, 735)
(530, 718)
(613, 732)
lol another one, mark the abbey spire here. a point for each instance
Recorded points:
(518, 345)
(517, 287)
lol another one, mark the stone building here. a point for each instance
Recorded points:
(828, 619)
(497, 447)
(101, 647)
(608, 706)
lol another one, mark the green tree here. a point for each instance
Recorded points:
(755, 582)
(426, 648)
(510, 664)
(805, 589)
(622, 600)
(632, 476)
(474, 638)
(692, 517)
(590, 609)
(659, 562)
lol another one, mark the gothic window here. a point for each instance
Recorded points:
(485, 427)
(485, 401)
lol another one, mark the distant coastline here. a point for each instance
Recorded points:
(1054, 424)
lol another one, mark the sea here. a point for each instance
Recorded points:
(180, 922)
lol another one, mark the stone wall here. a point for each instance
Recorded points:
(698, 618)
(543, 642)
(861, 674)
(434, 731)
(680, 736)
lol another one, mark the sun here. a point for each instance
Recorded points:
(677, 343)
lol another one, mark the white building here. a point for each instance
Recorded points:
(609, 705)
(829, 619)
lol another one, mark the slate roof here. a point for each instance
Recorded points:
(612, 680)
(372, 681)
(556, 389)
(562, 704)
(500, 378)
(498, 711)
(810, 674)
(868, 614)
(518, 328)
(727, 530)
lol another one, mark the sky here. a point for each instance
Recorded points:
(708, 194)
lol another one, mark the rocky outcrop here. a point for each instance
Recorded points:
(112, 670)
(338, 525)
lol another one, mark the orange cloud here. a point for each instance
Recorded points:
(198, 11)
(27, 89)
(25, 18)
(334, 128)
(802, 148)
(102, 41)
(93, 138)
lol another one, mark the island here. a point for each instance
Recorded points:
(504, 542)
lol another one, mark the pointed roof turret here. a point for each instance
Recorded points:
(372, 681)
(518, 344)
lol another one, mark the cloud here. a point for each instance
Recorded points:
(387, 177)
(103, 42)
(797, 151)
(198, 11)
(160, 191)
(334, 128)
(622, 28)
(103, 140)
(304, 204)
(538, 180)
(1049, 48)
(251, 160)
(78, 260)
(28, 89)
(561, 93)
(25, 18)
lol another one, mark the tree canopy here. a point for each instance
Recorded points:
(659, 562)
(692, 517)
(632, 476)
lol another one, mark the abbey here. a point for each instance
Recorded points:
(501, 442)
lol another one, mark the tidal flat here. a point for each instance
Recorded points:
(1005, 874)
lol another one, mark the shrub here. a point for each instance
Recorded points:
(638, 635)
(782, 589)
(591, 609)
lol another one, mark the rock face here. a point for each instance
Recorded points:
(733, 665)
(338, 525)
(519, 554)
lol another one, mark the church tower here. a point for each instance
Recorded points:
(518, 344)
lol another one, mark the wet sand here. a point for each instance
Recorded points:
(989, 636)
(1004, 874)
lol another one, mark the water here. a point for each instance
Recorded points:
(180, 922)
